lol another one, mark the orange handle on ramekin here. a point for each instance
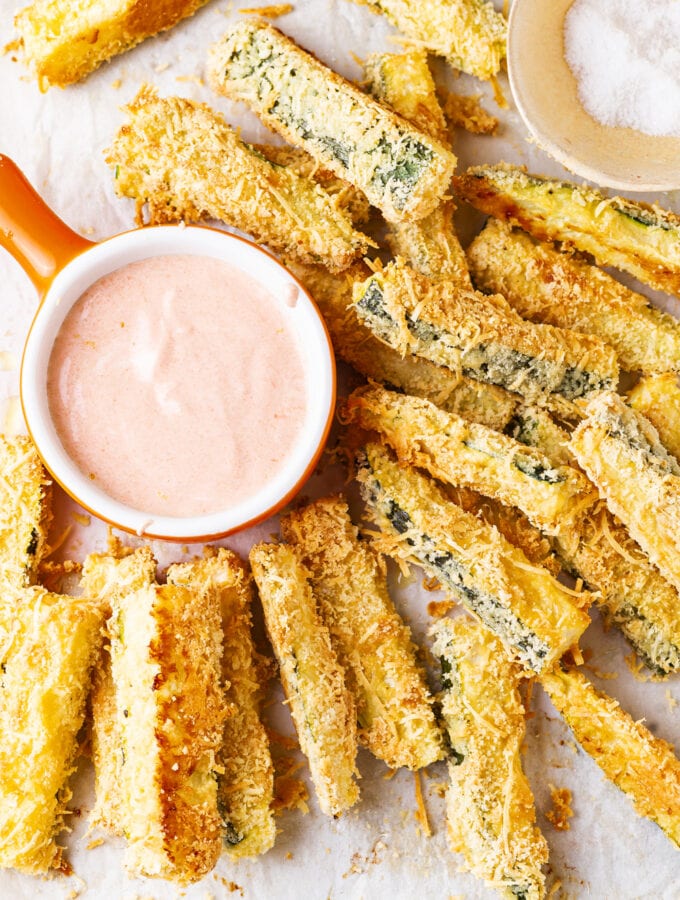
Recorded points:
(35, 236)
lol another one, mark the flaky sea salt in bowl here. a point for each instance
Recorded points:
(582, 114)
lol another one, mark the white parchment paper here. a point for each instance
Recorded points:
(378, 850)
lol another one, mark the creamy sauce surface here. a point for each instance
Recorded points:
(177, 384)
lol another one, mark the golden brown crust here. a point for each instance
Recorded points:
(25, 511)
(246, 776)
(313, 680)
(64, 40)
(657, 397)
(49, 644)
(185, 161)
(491, 816)
(372, 642)
(643, 766)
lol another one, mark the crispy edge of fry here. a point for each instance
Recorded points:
(49, 645)
(641, 765)
(166, 646)
(491, 816)
(373, 644)
(25, 511)
(657, 398)
(245, 787)
(313, 680)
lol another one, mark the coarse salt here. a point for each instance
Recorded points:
(625, 56)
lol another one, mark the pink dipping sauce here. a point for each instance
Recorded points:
(178, 385)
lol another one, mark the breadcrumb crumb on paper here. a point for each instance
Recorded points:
(561, 810)
(268, 12)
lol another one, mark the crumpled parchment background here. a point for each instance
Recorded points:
(377, 850)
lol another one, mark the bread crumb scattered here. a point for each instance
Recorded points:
(82, 519)
(561, 810)
(269, 12)
(191, 79)
(467, 112)
(636, 666)
(96, 842)
(421, 809)
(116, 83)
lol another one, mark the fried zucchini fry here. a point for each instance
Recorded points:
(402, 171)
(544, 285)
(474, 400)
(183, 159)
(313, 680)
(480, 336)
(48, 645)
(301, 163)
(632, 236)
(166, 647)
(464, 454)
(641, 765)
(640, 481)
(630, 591)
(491, 816)
(374, 646)
(245, 783)
(657, 398)
(25, 511)
(469, 34)
(64, 41)
(404, 81)
(521, 604)
(106, 577)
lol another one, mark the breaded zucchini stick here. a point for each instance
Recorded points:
(640, 481)
(635, 237)
(544, 285)
(520, 603)
(63, 42)
(357, 345)
(643, 766)
(480, 336)
(491, 816)
(183, 159)
(106, 577)
(25, 511)
(402, 171)
(657, 398)
(630, 591)
(245, 783)
(469, 34)
(404, 81)
(374, 646)
(48, 645)
(345, 195)
(512, 524)
(313, 680)
(166, 648)
(464, 454)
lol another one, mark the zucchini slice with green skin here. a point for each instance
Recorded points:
(400, 169)
(630, 591)
(464, 454)
(404, 81)
(374, 646)
(520, 603)
(640, 481)
(491, 816)
(470, 34)
(187, 164)
(245, 781)
(544, 285)
(657, 398)
(635, 237)
(641, 765)
(313, 680)
(356, 344)
(481, 337)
